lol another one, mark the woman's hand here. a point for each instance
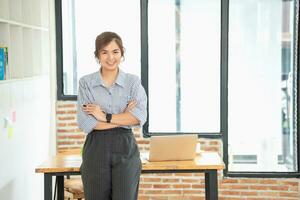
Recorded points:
(130, 105)
(95, 110)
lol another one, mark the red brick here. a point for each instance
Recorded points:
(64, 131)
(151, 179)
(228, 180)
(181, 186)
(248, 193)
(142, 197)
(294, 188)
(64, 149)
(258, 187)
(227, 192)
(66, 143)
(76, 136)
(66, 106)
(61, 124)
(72, 124)
(269, 194)
(161, 186)
(172, 191)
(60, 137)
(282, 187)
(288, 194)
(290, 183)
(193, 192)
(248, 181)
(170, 180)
(266, 181)
(144, 185)
(66, 118)
(71, 112)
(152, 191)
(242, 187)
(198, 185)
(183, 174)
(142, 142)
(190, 180)
(195, 198)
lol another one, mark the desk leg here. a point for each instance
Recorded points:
(60, 187)
(211, 185)
(47, 187)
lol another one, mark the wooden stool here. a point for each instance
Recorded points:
(73, 188)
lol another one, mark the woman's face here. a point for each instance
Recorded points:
(110, 56)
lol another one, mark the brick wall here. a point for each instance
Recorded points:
(183, 186)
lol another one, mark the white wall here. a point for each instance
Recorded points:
(29, 144)
(33, 99)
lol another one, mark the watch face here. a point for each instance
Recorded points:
(108, 117)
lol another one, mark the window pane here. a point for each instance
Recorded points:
(261, 86)
(83, 21)
(184, 65)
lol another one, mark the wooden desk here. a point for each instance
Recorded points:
(207, 162)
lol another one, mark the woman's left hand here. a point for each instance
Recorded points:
(95, 110)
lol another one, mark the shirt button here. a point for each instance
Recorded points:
(109, 93)
(108, 105)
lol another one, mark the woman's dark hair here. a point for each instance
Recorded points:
(104, 39)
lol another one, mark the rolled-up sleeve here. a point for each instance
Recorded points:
(85, 122)
(139, 95)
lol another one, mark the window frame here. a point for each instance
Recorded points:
(144, 79)
(223, 134)
(59, 55)
(224, 92)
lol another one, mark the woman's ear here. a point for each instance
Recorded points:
(97, 60)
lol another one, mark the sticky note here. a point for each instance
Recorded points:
(10, 132)
(14, 116)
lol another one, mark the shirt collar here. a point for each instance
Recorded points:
(121, 78)
(98, 80)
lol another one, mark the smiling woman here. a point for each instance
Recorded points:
(111, 161)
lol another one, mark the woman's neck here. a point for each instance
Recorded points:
(109, 76)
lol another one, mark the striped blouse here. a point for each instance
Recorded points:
(113, 99)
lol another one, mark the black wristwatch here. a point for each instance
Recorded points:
(108, 117)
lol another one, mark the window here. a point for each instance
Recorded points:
(258, 78)
(218, 68)
(262, 86)
(184, 66)
(78, 24)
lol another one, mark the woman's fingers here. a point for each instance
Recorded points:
(89, 108)
(131, 105)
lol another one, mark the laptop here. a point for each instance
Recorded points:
(173, 147)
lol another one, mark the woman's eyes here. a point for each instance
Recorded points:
(115, 52)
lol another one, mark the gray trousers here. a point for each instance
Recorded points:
(111, 165)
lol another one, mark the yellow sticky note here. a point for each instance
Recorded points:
(10, 132)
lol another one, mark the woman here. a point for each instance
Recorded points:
(110, 102)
